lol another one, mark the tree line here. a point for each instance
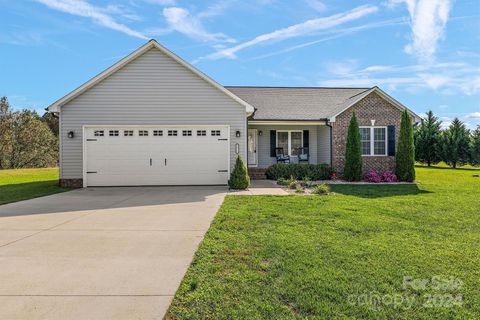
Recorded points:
(27, 140)
(455, 145)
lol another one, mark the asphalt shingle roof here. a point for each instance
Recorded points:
(297, 103)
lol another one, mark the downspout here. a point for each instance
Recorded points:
(331, 142)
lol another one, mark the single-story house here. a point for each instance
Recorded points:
(154, 119)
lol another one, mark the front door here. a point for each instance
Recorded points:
(252, 147)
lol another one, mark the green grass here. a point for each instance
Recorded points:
(22, 184)
(276, 257)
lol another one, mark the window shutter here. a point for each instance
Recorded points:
(273, 142)
(306, 138)
(391, 140)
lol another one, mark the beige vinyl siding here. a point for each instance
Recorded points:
(319, 143)
(324, 145)
(151, 90)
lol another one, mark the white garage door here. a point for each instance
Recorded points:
(129, 156)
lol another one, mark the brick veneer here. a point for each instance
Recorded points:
(257, 173)
(71, 183)
(372, 107)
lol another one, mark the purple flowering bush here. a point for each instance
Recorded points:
(372, 176)
(389, 176)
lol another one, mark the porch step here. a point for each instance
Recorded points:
(257, 173)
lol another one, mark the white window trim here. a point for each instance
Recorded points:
(289, 139)
(372, 141)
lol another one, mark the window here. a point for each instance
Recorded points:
(215, 133)
(98, 133)
(365, 140)
(143, 133)
(158, 133)
(379, 141)
(201, 133)
(172, 133)
(290, 141)
(113, 133)
(128, 133)
(187, 133)
(373, 141)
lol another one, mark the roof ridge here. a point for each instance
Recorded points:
(300, 87)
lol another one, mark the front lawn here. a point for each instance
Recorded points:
(22, 184)
(344, 255)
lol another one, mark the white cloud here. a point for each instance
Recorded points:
(84, 9)
(316, 5)
(428, 21)
(180, 20)
(446, 78)
(301, 29)
(435, 81)
(162, 2)
(474, 115)
(342, 68)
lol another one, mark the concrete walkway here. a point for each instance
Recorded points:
(100, 253)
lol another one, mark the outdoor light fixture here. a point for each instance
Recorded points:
(372, 122)
(71, 134)
(237, 133)
(260, 133)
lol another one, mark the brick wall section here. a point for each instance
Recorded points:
(71, 183)
(372, 107)
(257, 173)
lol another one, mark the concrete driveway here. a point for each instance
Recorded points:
(100, 253)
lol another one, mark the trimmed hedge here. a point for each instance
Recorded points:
(299, 171)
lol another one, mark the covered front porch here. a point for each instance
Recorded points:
(267, 138)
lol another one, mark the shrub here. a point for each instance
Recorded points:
(299, 189)
(372, 176)
(292, 183)
(405, 155)
(239, 179)
(306, 182)
(321, 189)
(282, 181)
(298, 171)
(389, 176)
(353, 154)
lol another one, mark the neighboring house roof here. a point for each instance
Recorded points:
(305, 103)
(55, 107)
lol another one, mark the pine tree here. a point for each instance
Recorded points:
(427, 137)
(353, 155)
(239, 179)
(405, 155)
(475, 147)
(454, 146)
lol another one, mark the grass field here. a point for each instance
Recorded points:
(22, 184)
(344, 255)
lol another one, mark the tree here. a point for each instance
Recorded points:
(405, 155)
(239, 179)
(454, 145)
(475, 147)
(52, 122)
(34, 143)
(353, 169)
(427, 137)
(6, 132)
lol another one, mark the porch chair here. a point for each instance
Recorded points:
(303, 155)
(281, 156)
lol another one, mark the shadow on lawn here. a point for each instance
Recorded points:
(379, 191)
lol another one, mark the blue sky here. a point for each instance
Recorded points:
(426, 53)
